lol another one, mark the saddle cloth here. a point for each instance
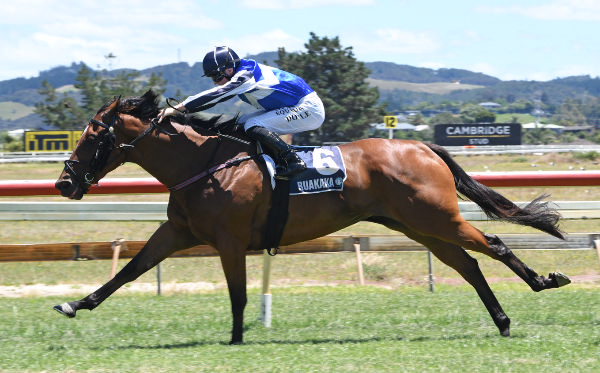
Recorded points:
(326, 170)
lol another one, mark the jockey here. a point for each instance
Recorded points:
(285, 103)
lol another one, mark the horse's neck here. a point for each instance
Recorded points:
(172, 159)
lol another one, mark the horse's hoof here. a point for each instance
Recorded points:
(65, 309)
(503, 325)
(560, 278)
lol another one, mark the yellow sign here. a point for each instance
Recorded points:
(390, 121)
(51, 141)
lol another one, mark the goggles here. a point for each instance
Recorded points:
(218, 77)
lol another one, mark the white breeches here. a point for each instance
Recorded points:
(307, 115)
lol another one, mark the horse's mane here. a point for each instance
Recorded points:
(146, 107)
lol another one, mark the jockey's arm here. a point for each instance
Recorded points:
(241, 82)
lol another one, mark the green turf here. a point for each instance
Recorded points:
(318, 329)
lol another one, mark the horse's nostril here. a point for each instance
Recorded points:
(63, 184)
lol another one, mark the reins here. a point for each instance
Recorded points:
(212, 170)
(106, 144)
(154, 125)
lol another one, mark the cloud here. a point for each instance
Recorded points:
(111, 13)
(566, 10)
(296, 4)
(576, 70)
(264, 42)
(402, 41)
(60, 32)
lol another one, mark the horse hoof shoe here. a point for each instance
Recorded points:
(65, 309)
(561, 279)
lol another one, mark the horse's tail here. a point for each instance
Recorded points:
(537, 214)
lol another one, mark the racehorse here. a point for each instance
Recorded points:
(220, 196)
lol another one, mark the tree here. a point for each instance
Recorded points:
(545, 99)
(447, 105)
(10, 143)
(472, 113)
(570, 113)
(521, 107)
(592, 111)
(485, 116)
(539, 136)
(60, 111)
(93, 89)
(445, 118)
(417, 120)
(340, 80)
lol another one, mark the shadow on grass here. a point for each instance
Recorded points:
(193, 344)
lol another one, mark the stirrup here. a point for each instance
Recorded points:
(287, 172)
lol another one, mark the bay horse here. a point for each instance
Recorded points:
(220, 196)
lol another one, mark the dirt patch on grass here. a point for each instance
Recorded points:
(43, 290)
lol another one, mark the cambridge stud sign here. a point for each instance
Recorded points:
(478, 134)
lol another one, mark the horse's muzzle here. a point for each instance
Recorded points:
(68, 188)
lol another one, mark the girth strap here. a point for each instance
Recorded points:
(277, 216)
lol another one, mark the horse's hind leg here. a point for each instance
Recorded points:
(462, 233)
(471, 238)
(457, 258)
(498, 250)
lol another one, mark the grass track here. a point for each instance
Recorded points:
(318, 329)
(321, 329)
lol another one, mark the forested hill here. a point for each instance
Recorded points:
(187, 78)
(411, 74)
(400, 85)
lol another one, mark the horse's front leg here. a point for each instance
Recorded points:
(165, 241)
(234, 266)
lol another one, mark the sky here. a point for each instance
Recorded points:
(509, 39)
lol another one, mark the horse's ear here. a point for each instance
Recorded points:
(113, 108)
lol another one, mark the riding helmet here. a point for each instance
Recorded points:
(218, 60)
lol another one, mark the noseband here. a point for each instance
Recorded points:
(106, 143)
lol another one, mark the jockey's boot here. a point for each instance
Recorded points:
(287, 161)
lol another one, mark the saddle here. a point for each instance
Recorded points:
(326, 172)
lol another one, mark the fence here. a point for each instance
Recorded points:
(41, 156)
(147, 211)
(156, 211)
(151, 185)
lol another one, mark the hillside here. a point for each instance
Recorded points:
(411, 74)
(399, 85)
(438, 88)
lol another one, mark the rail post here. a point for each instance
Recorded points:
(266, 296)
(117, 245)
(597, 245)
(430, 262)
(356, 243)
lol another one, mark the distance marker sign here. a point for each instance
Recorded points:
(390, 121)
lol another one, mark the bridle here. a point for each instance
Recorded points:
(106, 144)
(100, 160)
